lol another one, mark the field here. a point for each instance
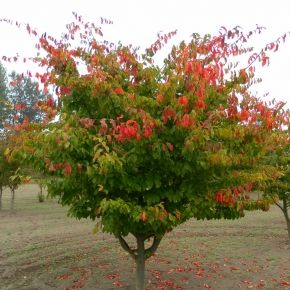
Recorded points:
(41, 249)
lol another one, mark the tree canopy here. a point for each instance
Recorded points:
(145, 148)
(277, 167)
(24, 96)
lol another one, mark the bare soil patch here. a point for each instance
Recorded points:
(41, 249)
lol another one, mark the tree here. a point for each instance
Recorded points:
(278, 170)
(2, 166)
(24, 95)
(19, 103)
(4, 102)
(145, 148)
(9, 170)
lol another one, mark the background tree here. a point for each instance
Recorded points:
(143, 148)
(2, 165)
(24, 99)
(4, 101)
(24, 95)
(9, 170)
(278, 171)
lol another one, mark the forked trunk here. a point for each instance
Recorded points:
(140, 255)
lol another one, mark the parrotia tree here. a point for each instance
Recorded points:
(143, 148)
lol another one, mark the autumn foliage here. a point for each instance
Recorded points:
(145, 148)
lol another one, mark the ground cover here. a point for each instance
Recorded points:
(41, 249)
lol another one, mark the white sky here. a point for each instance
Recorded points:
(138, 22)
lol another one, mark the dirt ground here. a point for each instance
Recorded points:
(41, 249)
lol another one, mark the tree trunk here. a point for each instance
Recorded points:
(1, 192)
(288, 228)
(140, 255)
(13, 195)
(287, 218)
(140, 263)
(12, 199)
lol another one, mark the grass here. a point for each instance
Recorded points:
(41, 249)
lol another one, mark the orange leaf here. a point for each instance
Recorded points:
(119, 91)
(159, 98)
(143, 216)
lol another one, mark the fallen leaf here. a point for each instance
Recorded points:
(285, 283)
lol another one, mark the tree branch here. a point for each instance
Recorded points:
(151, 250)
(277, 203)
(126, 247)
(285, 209)
(149, 236)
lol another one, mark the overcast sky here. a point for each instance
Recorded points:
(138, 22)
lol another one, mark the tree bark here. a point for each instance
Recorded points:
(287, 218)
(1, 193)
(12, 199)
(140, 255)
(140, 263)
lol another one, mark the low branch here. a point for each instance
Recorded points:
(277, 203)
(285, 209)
(126, 247)
(149, 237)
(151, 250)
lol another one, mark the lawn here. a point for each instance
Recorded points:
(41, 248)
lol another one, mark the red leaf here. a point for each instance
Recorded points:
(147, 132)
(236, 191)
(167, 114)
(265, 60)
(188, 68)
(285, 283)
(245, 115)
(200, 104)
(119, 91)
(271, 45)
(112, 276)
(63, 277)
(170, 147)
(18, 107)
(87, 122)
(67, 169)
(118, 284)
(182, 101)
(13, 83)
(186, 121)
